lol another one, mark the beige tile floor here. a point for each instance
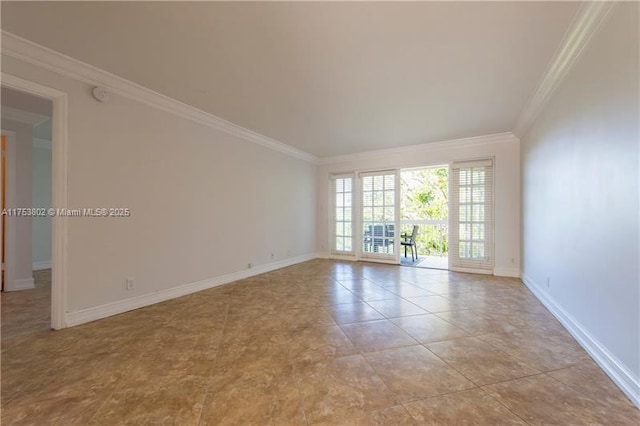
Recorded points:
(321, 342)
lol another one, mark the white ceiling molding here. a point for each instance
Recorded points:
(425, 147)
(27, 51)
(25, 117)
(585, 24)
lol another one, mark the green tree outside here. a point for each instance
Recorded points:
(425, 197)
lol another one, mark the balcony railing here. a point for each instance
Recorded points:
(432, 239)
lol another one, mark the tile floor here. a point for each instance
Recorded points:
(321, 342)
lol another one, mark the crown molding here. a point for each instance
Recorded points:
(506, 137)
(24, 117)
(35, 54)
(585, 24)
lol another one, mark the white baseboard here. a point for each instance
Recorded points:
(617, 371)
(98, 312)
(21, 284)
(347, 257)
(38, 266)
(507, 272)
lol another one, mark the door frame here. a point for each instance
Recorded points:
(360, 254)
(446, 165)
(59, 224)
(9, 240)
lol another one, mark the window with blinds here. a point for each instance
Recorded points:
(471, 233)
(343, 214)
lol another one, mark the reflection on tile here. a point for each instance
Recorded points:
(393, 308)
(354, 312)
(375, 335)
(469, 407)
(477, 321)
(429, 328)
(438, 304)
(371, 294)
(407, 291)
(405, 372)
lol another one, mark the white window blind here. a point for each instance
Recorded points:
(471, 233)
(343, 213)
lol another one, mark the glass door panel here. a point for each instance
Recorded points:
(380, 214)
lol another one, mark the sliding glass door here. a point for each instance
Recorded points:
(379, 216)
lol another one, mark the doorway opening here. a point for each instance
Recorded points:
(27, 191)
(424, 217)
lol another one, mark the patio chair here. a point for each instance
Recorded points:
(411, 242)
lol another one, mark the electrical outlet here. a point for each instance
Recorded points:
(249, 265)
(548, 282)
(130, 284)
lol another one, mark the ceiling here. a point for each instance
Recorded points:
(327, 78)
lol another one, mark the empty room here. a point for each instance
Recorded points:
(341, 213)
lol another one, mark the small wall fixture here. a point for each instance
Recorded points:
(101, 94)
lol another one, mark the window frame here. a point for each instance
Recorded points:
(333, 216)
(475, 265)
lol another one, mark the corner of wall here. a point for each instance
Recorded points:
(621, 375)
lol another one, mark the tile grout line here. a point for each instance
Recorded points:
(504, 405)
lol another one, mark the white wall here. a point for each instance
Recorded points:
(18, 175)
(580, 194)
(41, 198)
(507, 186)
(204, 203)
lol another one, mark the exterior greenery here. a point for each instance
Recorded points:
(425, 197)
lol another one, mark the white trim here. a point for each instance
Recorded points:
(506, 272)
(59, 197)
(332, 213)
(11, 190)
(338, 256)
(617, 371)
(98, 312)
(42, 143)
(9, 248)
(24, 117)
(585, 24)
(470, 270)
(19, 285)
(424, 148)
(43, 264)
(30, 52)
